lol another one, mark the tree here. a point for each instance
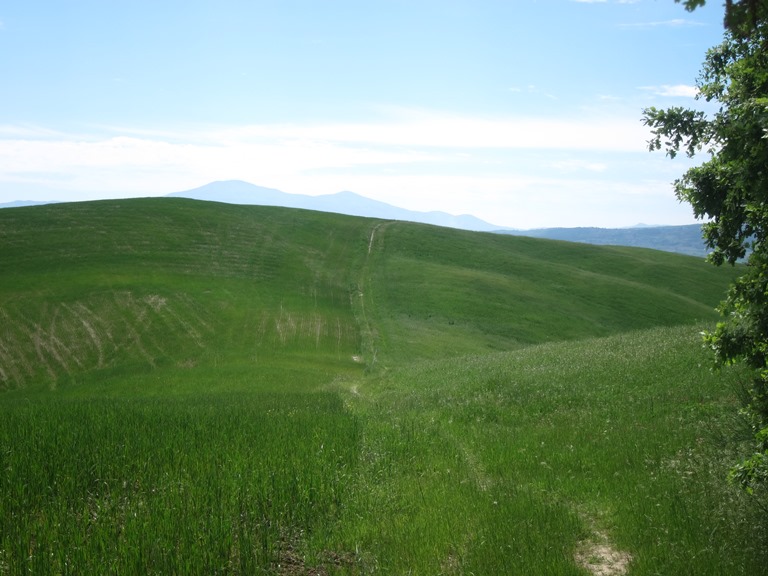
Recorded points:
(730, 192)
(741, 16)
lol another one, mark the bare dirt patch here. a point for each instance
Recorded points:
(156, 302)
(292, 563)
(602, 560)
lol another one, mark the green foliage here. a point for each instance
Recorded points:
(752, 473)
(729, 187)
(729, 190)
(741, 16)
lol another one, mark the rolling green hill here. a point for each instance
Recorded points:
(441, 292)
(192, 387)
(130, 286)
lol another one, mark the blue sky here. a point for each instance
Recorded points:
(526, 114)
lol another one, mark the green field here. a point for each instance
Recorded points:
(199, 388)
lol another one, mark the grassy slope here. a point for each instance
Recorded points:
(522, 457)
(438, 292)
(126, 287)
(129, 286)
(523, 401)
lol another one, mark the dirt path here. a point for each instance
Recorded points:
(599, 556)
(602, 560)
(373, 235)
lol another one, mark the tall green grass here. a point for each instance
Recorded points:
(199, 388)
(227, 483)
(512, 463)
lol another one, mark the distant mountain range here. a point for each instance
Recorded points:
(238, 192)
(22, 203)
(681, 239)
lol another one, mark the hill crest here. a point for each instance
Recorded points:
(684, 239)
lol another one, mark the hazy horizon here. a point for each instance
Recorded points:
(526, 116)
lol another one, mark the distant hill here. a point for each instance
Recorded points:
(22, 203)
(349, 203)
(681, 239)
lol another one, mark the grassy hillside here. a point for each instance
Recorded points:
(521, 462)
(192, 387)
(134, 285)
(130, 286)
(438, 291)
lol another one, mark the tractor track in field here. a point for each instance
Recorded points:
(369, 335)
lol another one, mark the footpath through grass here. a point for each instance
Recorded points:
(605, 452)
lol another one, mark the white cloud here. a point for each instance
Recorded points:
(676, 90)
(415, 129)
(417, 159)
(279, 151)
(124, 164)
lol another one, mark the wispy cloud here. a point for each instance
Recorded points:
(676, 90)
(408, 137)
(572, 165)
(28, 132)
(532, 89)
(673, 23)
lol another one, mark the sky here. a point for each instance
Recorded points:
(526, 113)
